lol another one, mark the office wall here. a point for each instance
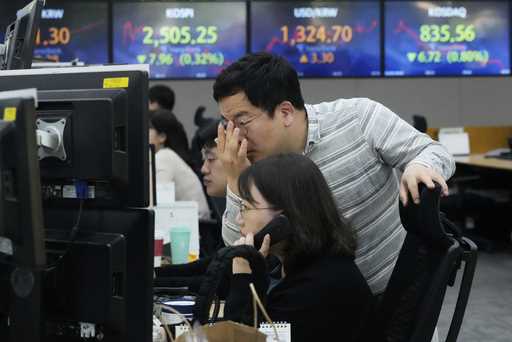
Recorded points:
(444, 101)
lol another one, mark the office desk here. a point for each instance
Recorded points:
(479, 160)
(488, 181)
(482, 172)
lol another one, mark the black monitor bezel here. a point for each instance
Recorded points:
(133, 79)
(20, 37)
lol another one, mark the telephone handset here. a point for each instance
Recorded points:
(279, 229)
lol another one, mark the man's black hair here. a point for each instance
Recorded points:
(163, 95)
(208, 134)
(267, 80)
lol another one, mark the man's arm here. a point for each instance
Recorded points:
(230, 227)
(401, 146)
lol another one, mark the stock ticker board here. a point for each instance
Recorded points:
(320, 39)
(450, 38)
(67, 31)
(180, 39)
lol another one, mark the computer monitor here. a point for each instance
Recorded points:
(107, 277)
(93, 123)
(88, 273)
(18, 47)
(22, 253)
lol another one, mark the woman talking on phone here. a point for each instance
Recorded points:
(316, 286)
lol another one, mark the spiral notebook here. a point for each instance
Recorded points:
(283, 331)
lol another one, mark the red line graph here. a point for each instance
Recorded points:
(130, 32)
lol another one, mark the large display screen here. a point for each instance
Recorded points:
(320, 39)
(73, 30)
(447, 38)
(67, 31)
(180, 39)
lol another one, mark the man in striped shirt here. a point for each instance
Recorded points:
(358, 144)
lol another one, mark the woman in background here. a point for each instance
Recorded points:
(170, 166)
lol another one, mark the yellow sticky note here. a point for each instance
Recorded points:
(116, 82)
(10, 113)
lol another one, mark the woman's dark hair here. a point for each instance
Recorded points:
(295, 185)
(164, 121)
(266, 79)
(163, 95)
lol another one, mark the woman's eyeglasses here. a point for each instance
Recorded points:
(244, 208)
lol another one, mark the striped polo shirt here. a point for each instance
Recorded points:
(359, 144)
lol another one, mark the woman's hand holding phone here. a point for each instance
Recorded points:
(241, 265)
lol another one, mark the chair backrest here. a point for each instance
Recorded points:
(210, 237)
(420, 123)
(426, 265)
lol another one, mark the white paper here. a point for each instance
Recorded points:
(455, 143)
(451, 130)
(283, 331)
(165, 194)
(497, 152)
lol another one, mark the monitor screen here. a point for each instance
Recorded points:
(320, 39)
(73, 30)
(179, 39)
(449, 38)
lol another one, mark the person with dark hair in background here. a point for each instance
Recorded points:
(203, 124)
(170, 167)
(165, 121)
(358, 144)
(317, 287)
(214, 182)
(214, 177)
(161, 97)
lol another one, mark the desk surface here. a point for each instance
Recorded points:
(480, 161)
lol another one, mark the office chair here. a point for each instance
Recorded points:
(420, 123)
(431, 255)
(210, 237)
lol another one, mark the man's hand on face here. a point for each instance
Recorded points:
(415, 174)
(232, 153)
